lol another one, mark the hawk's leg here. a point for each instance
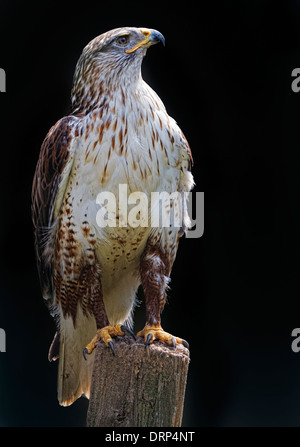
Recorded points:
(105, 332)
(154, 271)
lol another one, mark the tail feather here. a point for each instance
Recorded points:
(74, 372)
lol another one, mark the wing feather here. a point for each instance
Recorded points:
(49, 183)
(186, 181)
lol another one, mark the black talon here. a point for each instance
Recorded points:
(174, 342)
(149, 338)
(112, 346)
(128, 331)
(85, 351)
(185, 344)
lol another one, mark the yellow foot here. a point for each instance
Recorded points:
(155, 332)
(105, 335)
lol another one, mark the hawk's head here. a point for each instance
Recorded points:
(110, 60)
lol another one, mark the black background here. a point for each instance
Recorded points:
(225, 76)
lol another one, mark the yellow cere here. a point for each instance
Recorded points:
(140, 44)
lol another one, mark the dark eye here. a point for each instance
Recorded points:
(122, 40)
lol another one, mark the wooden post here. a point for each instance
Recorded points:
(139, 386)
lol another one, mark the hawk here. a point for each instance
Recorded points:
(118, 133)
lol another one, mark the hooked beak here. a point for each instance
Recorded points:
(151, 38)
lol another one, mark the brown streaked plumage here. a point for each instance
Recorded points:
(118, 133)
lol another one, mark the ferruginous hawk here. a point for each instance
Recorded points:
(118, 133)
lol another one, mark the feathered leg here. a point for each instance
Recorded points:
(154, 270)
(105, 332)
